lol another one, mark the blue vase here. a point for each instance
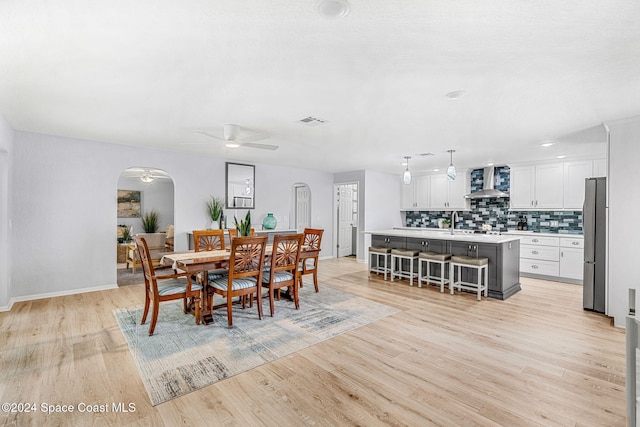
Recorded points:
(269, 222)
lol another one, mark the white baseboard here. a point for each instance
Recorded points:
(55, 294)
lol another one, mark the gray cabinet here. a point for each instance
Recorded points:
(427, 245)
(391, 242)
(504, 270)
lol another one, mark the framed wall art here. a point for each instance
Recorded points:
(129, 205)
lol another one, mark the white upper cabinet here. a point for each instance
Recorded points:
(422, 191)
(439, 197)
(435, 192)
(549, 189)
(574, 175)
(408, 195)
(599, 168)
(458, 189)
(537, 187)
(447, 195)
(416, 195)
(522, 192)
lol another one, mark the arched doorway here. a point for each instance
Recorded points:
(140, 191)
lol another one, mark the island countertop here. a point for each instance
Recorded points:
(444, 234)
(502, 252)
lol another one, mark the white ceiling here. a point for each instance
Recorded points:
(150, 72)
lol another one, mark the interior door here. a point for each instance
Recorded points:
(345, 220)
(303, 216)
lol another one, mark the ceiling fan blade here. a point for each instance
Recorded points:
(209, 134)
(261, 146)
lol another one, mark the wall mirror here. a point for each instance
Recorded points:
(240, 185)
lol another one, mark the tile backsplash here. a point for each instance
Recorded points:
(496, 212)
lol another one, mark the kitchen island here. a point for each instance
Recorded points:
(503, 252)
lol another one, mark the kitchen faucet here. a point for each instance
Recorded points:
(454, 217)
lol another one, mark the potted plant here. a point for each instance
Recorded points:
(214, 210)
(244, 226)
(446, 223)
(150, 221)
(126, 234)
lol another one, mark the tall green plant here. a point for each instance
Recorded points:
(150, 221)
(214, 208)
(244, 226)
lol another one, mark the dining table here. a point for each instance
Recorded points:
(202, 262)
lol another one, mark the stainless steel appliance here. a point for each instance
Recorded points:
(594, 224)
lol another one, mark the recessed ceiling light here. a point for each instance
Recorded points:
(436, 170)
(490, 163)
(547, 144)
(560, 156)
(232, 144)
(456, 94)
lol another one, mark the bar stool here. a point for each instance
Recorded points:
(381, 254)
(428, 259)
(397, 269)
(480, 265)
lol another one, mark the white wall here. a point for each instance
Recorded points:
(64, 206)
(6, 149)
(624, 214)
(379, 199)
(382, 201)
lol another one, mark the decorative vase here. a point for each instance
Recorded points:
(215, 225)
(269, 222)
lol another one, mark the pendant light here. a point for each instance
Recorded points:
(451, 170)
(406, 177)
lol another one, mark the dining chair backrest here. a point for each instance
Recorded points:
(233, 232)
(145, 259)
(285, 255)
(312, 238)
(208, 240)
(247, 257)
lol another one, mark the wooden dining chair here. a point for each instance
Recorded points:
(246, 262)
(309, 255)
(209, 240)
(234, 232)
(283, 270)
(164, 287)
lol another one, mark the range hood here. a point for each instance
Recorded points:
(488, 190)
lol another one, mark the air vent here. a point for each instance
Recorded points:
(312, 121)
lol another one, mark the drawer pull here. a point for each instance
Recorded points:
(535, 252)
(534, 266)
(575, 243)
(535, 240)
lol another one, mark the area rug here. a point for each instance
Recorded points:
(182, 357)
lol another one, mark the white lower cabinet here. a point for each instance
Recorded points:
(556, 258)
(572, 258)
(540, 255)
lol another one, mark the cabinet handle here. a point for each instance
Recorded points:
(535, 252)
(534, 266)
(575, 243)
(535, 240)
(561, 254)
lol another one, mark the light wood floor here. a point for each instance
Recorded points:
(535, 359)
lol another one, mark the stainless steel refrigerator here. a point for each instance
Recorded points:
(594, 225)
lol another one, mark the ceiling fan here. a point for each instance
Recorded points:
(236, 136)
(145, 175)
